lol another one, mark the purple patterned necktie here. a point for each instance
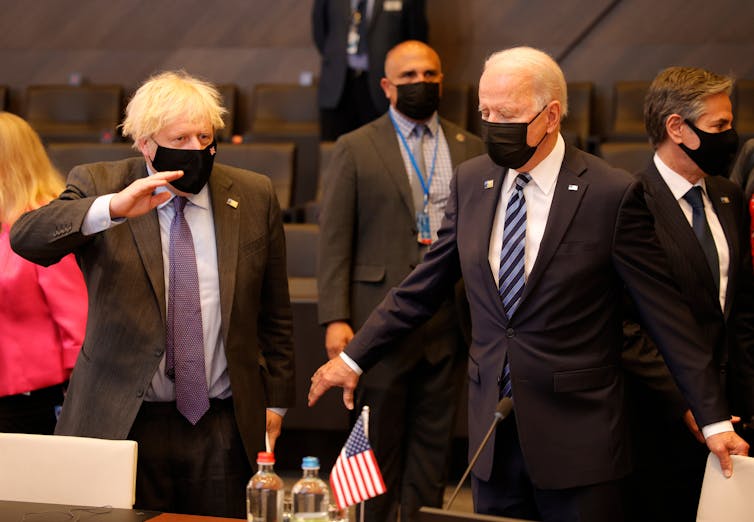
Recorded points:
(184, 356)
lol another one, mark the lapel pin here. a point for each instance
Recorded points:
(489, 183)
(460, 137)
(573, 187)
(231, 202)
(725, 199)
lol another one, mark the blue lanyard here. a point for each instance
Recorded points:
(428, 183)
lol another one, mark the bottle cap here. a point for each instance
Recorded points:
(310, 463)
(265, 457)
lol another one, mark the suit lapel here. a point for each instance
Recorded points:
(721, 202)
(227, 229)
(569, 191)
(456, 144)
(146, 233)
(388, 147)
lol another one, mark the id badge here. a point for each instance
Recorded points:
(424, 236)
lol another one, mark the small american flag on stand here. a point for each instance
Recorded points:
(356, 476)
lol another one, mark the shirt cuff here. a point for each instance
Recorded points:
(351, 363)
(716, 427)
(97, 218)
(279, 411)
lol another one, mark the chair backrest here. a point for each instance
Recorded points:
(455, 104)
(731, 499)
(301, 249)
(75, 113)
(65, 156)
(229, 93)
(67, 470)
(628, 111)
(630, 156)
(275, 160)
(3, 97)
(743, 116)
(577, 125)
(287, 106)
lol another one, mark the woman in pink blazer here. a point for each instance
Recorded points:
(42, 310)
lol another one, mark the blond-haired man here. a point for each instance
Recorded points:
(189, 333)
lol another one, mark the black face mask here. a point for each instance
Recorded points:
(195, 164)
(506, 142)
(418, 100)
(716, 151)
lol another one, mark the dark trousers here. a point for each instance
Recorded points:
(198, 470)
(413, 405)
(354, 109)
(32, 413)
(510, 492)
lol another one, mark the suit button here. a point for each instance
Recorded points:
(140, 393)
(158, 352)
(510, 333)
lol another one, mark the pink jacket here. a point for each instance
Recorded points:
(42, 320)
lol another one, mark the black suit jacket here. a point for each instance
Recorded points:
(331, 20)
(564, 341)
(728, 331)
(123, 269)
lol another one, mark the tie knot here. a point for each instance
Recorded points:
(522, 179)
(694, 197)
(179, 203)
(420, 130)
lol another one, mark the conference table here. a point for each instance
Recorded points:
(11, 511)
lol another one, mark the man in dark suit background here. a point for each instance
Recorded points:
(689, 121)
(353, 37)
(188, 302)
(554, 344)
(369, 241)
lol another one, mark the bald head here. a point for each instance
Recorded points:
(410, 62)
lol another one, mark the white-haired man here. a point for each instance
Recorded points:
(545, 237)
(189, 333)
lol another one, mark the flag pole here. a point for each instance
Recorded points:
(365, 420)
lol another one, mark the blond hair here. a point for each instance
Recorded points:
(167, 96)
(547, 80)
(27, 178)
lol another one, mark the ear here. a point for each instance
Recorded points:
(673, 125)
(385, 84)
(554, 111)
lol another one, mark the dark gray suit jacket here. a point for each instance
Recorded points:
(123, 269)
(331, 20)
(564, 341)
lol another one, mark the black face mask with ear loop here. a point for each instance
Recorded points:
(506, 142)
(418, 100)
(195, 164)
(716, 152)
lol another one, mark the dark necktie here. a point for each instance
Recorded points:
(184, 356)
(703, 233)
(511, 276)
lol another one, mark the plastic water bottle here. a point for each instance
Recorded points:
(264, 494)
(311, 496)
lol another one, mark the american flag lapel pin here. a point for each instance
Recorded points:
(573, 188)
(231, 202)
(489, 183)
(724, 199)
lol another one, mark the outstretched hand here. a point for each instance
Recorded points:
(334, 373)
(139, 198)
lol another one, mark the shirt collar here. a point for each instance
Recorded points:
(677, 184)
(200, 200)
(406, 125)
(545, 174)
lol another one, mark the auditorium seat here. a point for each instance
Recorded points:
(56, 469)
(65, 156)
(3, 98)
(743, 109)
(312, 208)
(229, 93)
(75, 113)
(628, 111)
(576, 127)
(289, 112)
(455, 104)
(630, 156)
(275, 160)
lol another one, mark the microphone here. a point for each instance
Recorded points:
(502, 410)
